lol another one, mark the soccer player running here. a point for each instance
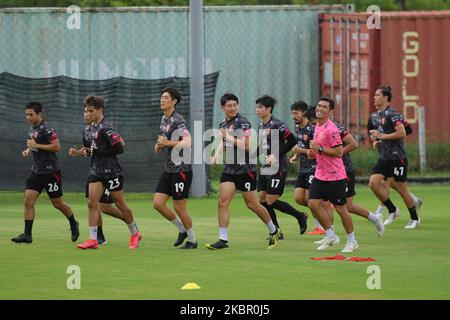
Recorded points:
(304, 130)
(106, 206)
(45, 173)
(176, 179)
(330, 179)
(350, 144)
(238, 173)
(373, 123)
(271, 186)
(102, 143)
(392, 162)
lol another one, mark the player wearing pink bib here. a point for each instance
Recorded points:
(329, 182)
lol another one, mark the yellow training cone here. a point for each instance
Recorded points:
(190, 285)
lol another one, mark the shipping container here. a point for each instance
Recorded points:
(409, 51)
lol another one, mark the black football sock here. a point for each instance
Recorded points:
(72, 220)
(413, 213)
(272, 214)
(28, 227)
(100, 232)
(388, 204)
(286, 208)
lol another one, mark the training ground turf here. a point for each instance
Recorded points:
(413, 264)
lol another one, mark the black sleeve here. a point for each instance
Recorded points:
(116, 149)
(291, 141)
(369, 126)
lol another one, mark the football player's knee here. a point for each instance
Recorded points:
(92, 204)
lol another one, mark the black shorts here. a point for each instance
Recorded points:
(244, 182)
(50, 182)
(333, 191)
(175, 184)
(273, 184)
(350, 190)
(106, 196)
(397, 169)
(304, 179)
(112, 184)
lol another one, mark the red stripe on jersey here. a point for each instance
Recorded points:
(54, 136)
(183, 175)
(57, 177)
(115, 139)
(286, 133)
(251, 175)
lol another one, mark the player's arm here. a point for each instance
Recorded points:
(350, 143)
(289, 142)
(185, 141)
(53, 146)
(336, 151)
(26, 152)
(116, 144)
(74, 152)
(218, 151)
(399, 133)
(243, 144)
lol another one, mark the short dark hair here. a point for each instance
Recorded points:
(329, 100)
(94, 101)
(299, 106)
(267, 101)
(173, 93)
(228, 97)
(386, 91)
(36, 106)
(311, 113)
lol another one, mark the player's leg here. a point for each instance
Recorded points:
(262, 189)
(417, 200)
(29, 214)
(318, 191)
(376, 219)
(180, 207)
(53, 186)
(181, 184)
(347, 222)
(252, 203)
(336, 193)
(377, 186)
(227, 189)
(162, 194)
(274, 202)
(111, 210)
(95, 191)
(275, 190)
(119, 200)
(410, 204)
(62, 206)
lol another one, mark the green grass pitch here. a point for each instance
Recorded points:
(414, 264)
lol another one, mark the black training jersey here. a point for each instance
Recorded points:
(175, 126)
(266, 142)
(346, 157)
(44, 162)
(386, 123)
(236, 162)
(304, 136)
(102, 137)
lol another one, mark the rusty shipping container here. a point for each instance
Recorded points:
(410, 52)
